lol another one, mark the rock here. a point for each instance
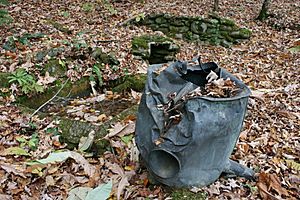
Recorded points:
(39, 57)
(226, 28)
(134, 82)
(241, 34)
(55, 68)
(102, 57)
(213, 29)
(154, 48)
(225, 43)
(227, 22)
(160, 20)
(59, 26)
(177, 22)
(204, 27)
(182, 29)
(164, 30)
(77, 89)
(195, 37)
(73, 130)
(178, 36)
(195, 27)
(55, 51)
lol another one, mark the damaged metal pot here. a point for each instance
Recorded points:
(187, 140)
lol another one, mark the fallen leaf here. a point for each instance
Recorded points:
(267, 183)
(79, 193)
(101, 192)
(18, 151)
(86, 142)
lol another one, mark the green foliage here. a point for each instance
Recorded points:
(10, 44)
(65, 14)
(186, 194)
(32, 143)
(108, 6)
(97, 72)
(140, 17)
(88, 7)
(5, 17)
(143, 41)
(25, 81)
(79, 42)
(4, 2)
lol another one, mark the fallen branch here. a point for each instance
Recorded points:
(127, 21)
(39, 108)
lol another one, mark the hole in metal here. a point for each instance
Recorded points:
(164, 164)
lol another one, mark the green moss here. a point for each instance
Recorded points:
(4, 80)
(295, 49)
(78, 88)
(135, 82)
(246, 33)
(227, 22)
(59, 26)
(182, 194)
(55, 68)
(143, 41)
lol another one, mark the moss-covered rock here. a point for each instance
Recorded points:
(76, 89)
(59, 26)
(150, 47)
(4, 80)
(134, 82)
(73, 130)
(55, 68)
(196, 28)
(102, 57)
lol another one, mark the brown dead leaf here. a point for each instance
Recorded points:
(267, 183)
(12, 169)
(47, 79)
(10, 54)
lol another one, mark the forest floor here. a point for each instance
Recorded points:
(269, 142)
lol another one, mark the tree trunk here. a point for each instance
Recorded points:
(216, 5)
(264, 10)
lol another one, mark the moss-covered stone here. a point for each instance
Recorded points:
(241, 34)
(227, 22)
(55, 68)
(102, 57)
(134, 82)
(78, 88)
(196, 28)
(59, 26)
(4, 80)
(160, 20)
(150, 47)
(73, 130)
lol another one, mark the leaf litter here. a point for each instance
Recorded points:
(269, 142)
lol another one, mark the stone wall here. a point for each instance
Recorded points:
(154, 48)
(213, 30)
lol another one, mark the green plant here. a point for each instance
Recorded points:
(87, 7)
(65, 14)
(5, 17)
(4, 2)
(25, 81)
(107, 5)
(140, 17)
(32, 143)
(98, 73)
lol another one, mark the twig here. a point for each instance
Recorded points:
(104, 41)
(39, 108)
(127, 21)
